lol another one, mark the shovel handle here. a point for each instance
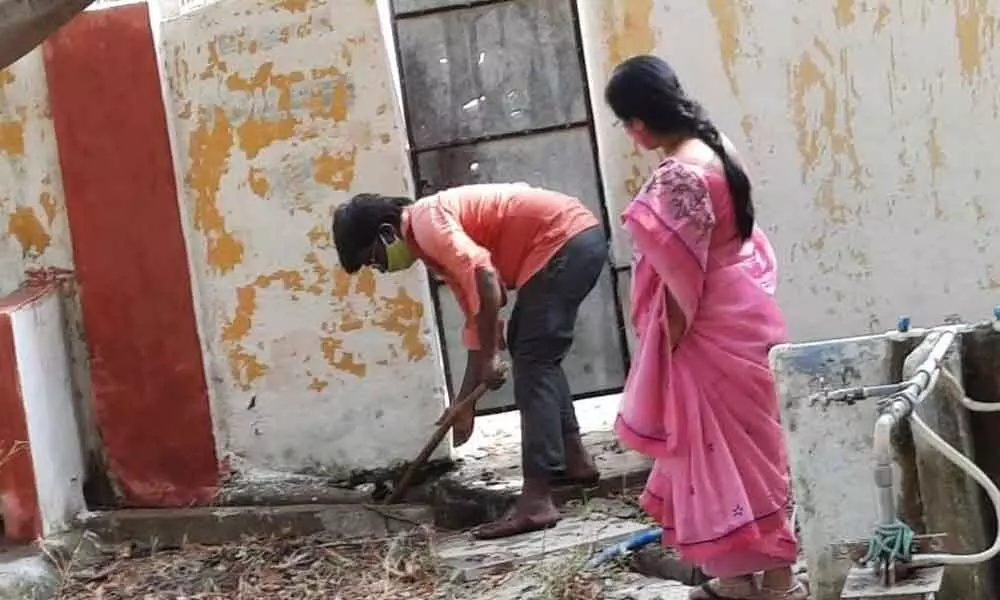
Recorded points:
(446, 424)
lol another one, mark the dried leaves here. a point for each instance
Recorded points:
(300, 569)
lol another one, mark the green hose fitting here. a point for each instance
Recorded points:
(890, 543)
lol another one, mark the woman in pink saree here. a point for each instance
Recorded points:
(700, 398)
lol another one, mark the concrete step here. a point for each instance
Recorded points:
(26, 574)
(175, 528)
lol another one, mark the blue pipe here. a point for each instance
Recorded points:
(638, 540)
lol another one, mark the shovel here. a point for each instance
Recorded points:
(445, 423)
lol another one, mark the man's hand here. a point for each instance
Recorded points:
(493, 373)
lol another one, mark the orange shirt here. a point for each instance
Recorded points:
(511, 227)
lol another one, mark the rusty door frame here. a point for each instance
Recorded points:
(413, 153)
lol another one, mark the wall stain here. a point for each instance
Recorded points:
(258, 182)
(12, 134)
(404, 318)
(401, 315)
(335, 170)
(318, 385)
(973, 22)
(843, 11)
(258, 132)
(728, 15)
(292, 6)
(320, 237)
(830, 133)
(24, 225)
(211, 144)
(882, 18)
(632, 34)
(934, 151)
(336, 357)
(48, 203)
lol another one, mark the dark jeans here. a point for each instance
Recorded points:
(539, 336)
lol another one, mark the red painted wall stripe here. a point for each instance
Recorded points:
(18, 495)
(149, 392)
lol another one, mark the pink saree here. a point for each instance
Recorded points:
(706, 410)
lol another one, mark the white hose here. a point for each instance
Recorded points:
(967, 402)
(965, 464)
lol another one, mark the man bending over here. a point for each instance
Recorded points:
(483, 240)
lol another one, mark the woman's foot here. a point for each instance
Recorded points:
(728, 588)
(781, 584)
(797, 591)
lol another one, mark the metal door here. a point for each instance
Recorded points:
(496, 91)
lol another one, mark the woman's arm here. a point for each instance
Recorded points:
(676, 322)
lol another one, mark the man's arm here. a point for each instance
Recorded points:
(470, 274)
(481, 364)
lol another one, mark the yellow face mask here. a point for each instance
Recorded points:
(398, 256)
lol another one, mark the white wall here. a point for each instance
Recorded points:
(47, 390)
(279, 111)
(34, 229)
(869, 127)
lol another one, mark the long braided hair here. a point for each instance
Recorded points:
(647, 89)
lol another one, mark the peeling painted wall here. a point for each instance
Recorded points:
(34, 231)
(279, 111)
(868, 126)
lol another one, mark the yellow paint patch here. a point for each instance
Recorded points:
(843, 11)
(746, 123)
(728, 20)
(404, 317)
(631, 34)
(339, 102)
(332, 349)
(259, 132)
(245, 368)
(12, 138)
(318, 385)
(829, 135)
(258, 182)
(292, 6)
(48, 204)
(23, 224)
(246, 305)
(365, 283)
(210, 148)
(972, 22)
(320, 237)
(215, 64)
(335, 170)
(882, 18)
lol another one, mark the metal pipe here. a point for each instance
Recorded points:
(897, 408)
(882, 445)
(854, 394)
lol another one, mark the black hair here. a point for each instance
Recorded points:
(647, 89)
(356, 224)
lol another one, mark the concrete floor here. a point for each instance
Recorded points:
(488, 474)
